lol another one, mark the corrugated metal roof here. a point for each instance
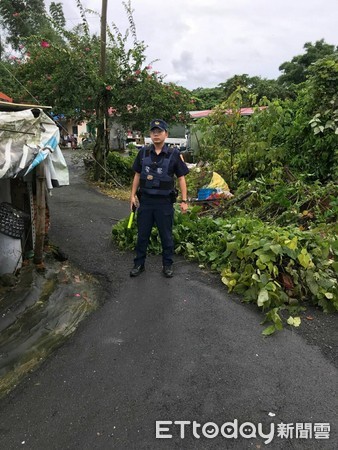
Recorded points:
(8, 106)
(5, 97)
(206, 112)
(198, 114)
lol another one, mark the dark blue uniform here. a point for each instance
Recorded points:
(157, 174)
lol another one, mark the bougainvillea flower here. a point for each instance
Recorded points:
(149, 67)
(16, 14)
(44, 44)
(108, 88)
(137, 72)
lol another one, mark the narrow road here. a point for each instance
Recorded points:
(162, 349)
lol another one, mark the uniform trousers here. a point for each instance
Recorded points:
(159, 212)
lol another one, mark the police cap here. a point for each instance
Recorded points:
(159, 123)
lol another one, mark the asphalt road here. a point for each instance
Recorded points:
(162, 349)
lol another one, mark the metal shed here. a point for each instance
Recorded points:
(31, 165)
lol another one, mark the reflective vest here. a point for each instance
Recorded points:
(154, 178)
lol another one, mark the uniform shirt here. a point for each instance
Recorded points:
(176, 167)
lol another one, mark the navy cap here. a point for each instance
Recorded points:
(159, 123)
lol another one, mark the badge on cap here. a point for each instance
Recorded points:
(159, 123)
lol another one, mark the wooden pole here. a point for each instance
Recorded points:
(103, 37)
(98, 151)
(40, 213)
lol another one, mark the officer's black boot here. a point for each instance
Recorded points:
(136, 270)
(168, 271)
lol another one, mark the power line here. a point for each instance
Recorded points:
(80, 19)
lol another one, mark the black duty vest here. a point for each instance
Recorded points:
(154, 178)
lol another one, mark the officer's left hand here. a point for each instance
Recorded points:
(184, 207)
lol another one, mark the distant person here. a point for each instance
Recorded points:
(153, 192)
(73, 141)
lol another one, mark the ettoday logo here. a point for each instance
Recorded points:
(210, 430)
(246, 430)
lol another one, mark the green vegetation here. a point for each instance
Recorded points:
(120, 167)
(275, 241)
(277, 248)
(281, 269)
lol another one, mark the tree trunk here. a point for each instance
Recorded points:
(99, 148)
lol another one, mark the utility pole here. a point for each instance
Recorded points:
(103, 37)
(99, 149)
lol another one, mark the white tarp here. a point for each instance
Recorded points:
(26, 139)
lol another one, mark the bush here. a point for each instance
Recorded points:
(276, 268)
(120, 167)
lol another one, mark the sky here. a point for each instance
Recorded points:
(201, 43)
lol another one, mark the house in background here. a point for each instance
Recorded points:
(69, 127)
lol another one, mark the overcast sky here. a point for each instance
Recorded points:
(201, 43)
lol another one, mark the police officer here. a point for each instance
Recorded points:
(153, 192)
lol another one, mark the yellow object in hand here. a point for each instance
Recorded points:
(131, 217)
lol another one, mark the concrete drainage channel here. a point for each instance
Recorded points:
(38, 314)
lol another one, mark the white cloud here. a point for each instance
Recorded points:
(204, 42)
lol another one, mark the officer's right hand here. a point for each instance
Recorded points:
(134, 203)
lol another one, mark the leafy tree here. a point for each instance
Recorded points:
(257, 89)
(56, 11)
(262, 88)
(263, 151)
(22, 19)
(222, 134)
(313, 139)
(137, 92)
(300, 133)
(207, 98)
(7, 82)
(296, 70)
(232, 84)
(323, 85)
(64, 73)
